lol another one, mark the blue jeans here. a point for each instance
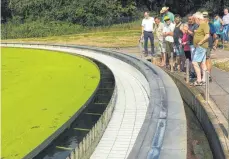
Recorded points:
(148, 35)
(225, 32)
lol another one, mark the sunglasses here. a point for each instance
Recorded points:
(167, 20)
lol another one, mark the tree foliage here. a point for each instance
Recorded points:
(23, 14)
(86, 12)
(92, 12)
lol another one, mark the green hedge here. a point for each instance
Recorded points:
(38, 29)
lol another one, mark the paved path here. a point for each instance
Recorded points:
(219, 90)
(219, 87)
(220, 54)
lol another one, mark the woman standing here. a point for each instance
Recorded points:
(185, 42)
(218, 24)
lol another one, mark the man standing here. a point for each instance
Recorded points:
(168, 34)
(165, 12)
(201, 44)
(226, 25)
(159, 26)
(192, 26)
(177, 35)
(212, 38)
(147, 32)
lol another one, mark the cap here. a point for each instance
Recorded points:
(166, 18)
(205, 14)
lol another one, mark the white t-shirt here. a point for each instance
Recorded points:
(226, 19)
(169, 28)
(148, 24)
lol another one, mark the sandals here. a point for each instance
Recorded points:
(203, 83)
(196, 83)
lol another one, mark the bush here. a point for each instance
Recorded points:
(11, 30)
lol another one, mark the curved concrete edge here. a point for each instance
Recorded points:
(67, 124)
(209, 116)
(163, 133)
(166, 108)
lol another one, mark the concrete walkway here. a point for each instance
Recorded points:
(219, 90)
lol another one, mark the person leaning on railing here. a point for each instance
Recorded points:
(201, 44)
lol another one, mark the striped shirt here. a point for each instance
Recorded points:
(226, 19)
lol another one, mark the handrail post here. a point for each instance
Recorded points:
(172, 70)
(187, 71)
(207, 86)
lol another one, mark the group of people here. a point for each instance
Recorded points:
(193, 40)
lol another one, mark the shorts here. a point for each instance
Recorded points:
(199, 54)
(162, 46)
(188, 55)
(179, 50)
(192, 49)
(169, 47)
(208, 53)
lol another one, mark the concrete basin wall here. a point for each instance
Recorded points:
(206, 114)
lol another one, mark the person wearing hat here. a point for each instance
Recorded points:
(147, 32)
(205, 14)
(165, 12)
(168, 34)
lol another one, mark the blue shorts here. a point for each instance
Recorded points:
(192, 49)
(199, 54)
